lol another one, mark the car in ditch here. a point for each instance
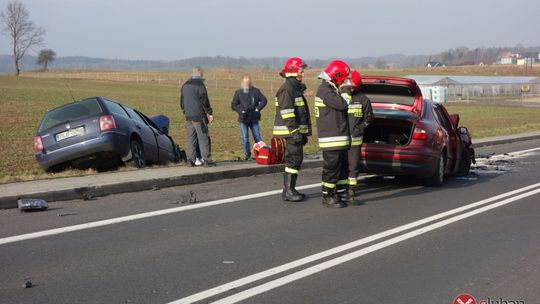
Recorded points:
(100, 133)
(410, 135)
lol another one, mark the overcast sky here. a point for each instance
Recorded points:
(176, 29)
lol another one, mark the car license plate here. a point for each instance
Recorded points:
(70, 133)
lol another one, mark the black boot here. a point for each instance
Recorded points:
(292, 186)
(331, 198)
(351, 199)
(289, 193)
(341, 191)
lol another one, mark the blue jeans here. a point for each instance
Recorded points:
(244, 131)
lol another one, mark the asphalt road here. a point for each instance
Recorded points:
(407, 244)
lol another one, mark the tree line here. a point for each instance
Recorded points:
(26, 36)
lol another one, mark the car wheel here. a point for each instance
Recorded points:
(465, 163)
(437, 179)
(138, 158)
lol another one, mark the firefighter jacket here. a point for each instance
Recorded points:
(332, 123)
(292, 111)
(360, 116)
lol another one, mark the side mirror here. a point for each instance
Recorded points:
(454, 118)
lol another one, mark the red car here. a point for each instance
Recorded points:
(411, 135)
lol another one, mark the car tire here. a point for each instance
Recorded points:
(138, 159)
(465, 163)
(437, 179)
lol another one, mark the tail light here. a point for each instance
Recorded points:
(419, 134)
(106, 122)
(38, 144)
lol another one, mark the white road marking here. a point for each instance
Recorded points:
(318, 256)
(356, 254)
(138, 216)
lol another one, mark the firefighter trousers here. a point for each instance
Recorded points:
(354, 163)
(335, 168)
(294, 155)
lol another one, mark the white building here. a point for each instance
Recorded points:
(466, 87)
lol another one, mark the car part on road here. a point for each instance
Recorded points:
(67, 213)
(29, 204)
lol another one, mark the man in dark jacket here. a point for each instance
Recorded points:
(248, 102)
(196, 107)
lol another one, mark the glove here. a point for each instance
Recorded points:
(346, 93)
(304, 140)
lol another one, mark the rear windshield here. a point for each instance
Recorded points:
(389, 93)
(70, 112)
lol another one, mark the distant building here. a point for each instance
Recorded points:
(434, 64)
(467, 87)
(525, 61)
(508, 58)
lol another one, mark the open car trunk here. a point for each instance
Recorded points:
(390, 127)
(388, 131)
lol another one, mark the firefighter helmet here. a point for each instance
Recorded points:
(356, 79)
(338, 71)
(292, 66)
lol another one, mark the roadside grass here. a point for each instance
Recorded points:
(24, 100)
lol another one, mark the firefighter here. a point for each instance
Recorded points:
(292, 122)
(334, 138)
(360, 116)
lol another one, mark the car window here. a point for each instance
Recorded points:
(442, 118)
(389, 93)
(115, 108)
(134, 115)
(70, 112)
(148, 120)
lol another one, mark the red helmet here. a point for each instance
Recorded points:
(338, 71)
(356, 79)
(291, 67)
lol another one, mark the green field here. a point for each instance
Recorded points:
(24, 100)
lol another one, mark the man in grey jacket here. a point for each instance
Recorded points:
(196, 107)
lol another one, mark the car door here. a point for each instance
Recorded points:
(147, 135)
(453, 147)
(164, 142)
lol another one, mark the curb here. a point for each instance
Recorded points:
(7, 202)
(10, 201)
(505, 140)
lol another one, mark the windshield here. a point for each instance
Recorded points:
(70, 112)
(389, 93)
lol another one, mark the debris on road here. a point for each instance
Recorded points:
(187, 198)
(155, 187)
(87, 196)
(228, 262)
(28, 284)
(67, 213)
(30, 204)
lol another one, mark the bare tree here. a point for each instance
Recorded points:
(45, 57)
(23, 32)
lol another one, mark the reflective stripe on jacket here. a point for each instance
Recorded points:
(292, 111)
(360, 115)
